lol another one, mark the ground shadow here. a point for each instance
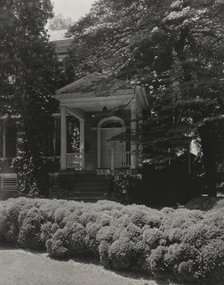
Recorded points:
(93, 261)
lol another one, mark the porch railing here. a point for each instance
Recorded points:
(120, 159)
(73, 161)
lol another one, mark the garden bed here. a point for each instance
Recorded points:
(182, 245)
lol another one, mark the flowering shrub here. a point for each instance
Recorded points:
(184, 245)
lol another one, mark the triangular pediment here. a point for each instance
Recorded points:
(94, 85)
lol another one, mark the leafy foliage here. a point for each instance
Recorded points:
(58, 22)
(126, 186)
(27, 79)
(212, 137)
(173, 49)
(182, 245)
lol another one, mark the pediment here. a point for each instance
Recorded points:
(94, 85)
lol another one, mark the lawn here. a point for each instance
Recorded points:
(19, 267)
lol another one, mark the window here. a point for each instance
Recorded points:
(112, 124)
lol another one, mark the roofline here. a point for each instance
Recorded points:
(82, 96)
(60, 91)
(93, 99)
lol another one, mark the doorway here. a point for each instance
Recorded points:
(111, 145)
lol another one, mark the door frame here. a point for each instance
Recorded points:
(101, 122)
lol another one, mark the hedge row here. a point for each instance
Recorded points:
(183, 245)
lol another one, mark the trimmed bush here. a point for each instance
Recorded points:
(156, 265)
(58, 245)
(211, 262)
(153, 238)
(4, 226)
(182, 245)
(30, 223)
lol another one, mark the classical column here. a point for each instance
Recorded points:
(112, 159)
(140, 145)
(133, 135)
(98, 147)
(4, 139)
(82, 144)
(63, 138)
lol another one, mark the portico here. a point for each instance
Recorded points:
(107, 125)
(99, 129)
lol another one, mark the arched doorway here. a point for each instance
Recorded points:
(111, 148)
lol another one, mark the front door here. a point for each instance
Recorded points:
(113, 152)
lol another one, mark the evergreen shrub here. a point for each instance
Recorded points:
(182, 245)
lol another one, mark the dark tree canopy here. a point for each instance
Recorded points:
(172, 48)
(139, 36)
(28, 69)
(27, 58)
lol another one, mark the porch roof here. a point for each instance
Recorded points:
(94, 85)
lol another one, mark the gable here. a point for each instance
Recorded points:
(95, 85)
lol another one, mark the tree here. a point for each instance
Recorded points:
(212, 136)
(174, 49)
(28, 72)
(116, 34)
(59, 22)
(105, 39)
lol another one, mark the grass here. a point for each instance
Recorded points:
(24, 268)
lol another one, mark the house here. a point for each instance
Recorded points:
(105, 109)
(95, 130)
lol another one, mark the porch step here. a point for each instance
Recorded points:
(87, 194)
(84, 189)
(93, 184)
(88, 186)
(87, 199)
(91, 187)
(93, 178)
